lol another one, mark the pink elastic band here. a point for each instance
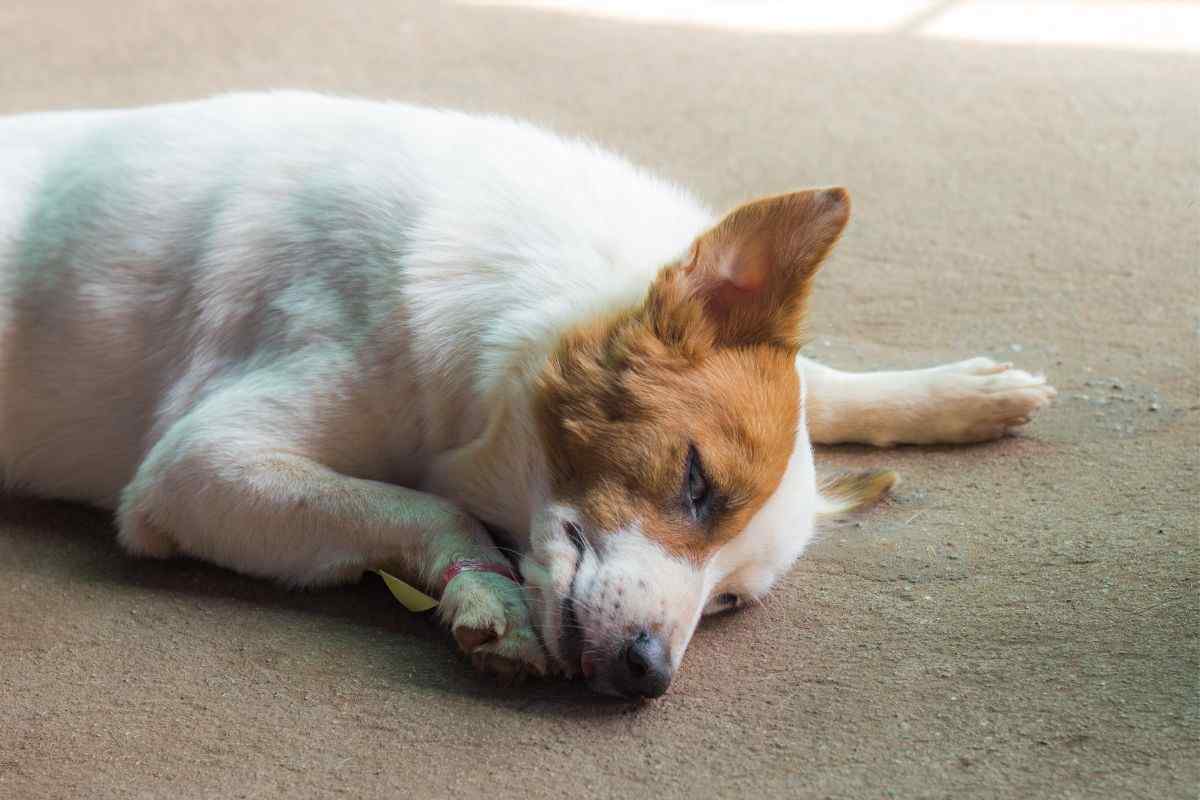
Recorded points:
(471, 565)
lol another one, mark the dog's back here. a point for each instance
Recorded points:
(146, 253)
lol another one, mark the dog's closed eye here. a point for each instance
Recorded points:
(699, 498)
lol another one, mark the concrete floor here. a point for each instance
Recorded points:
(1021, 621)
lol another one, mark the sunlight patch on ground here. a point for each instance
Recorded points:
(1156, 26)
(1137, 25)
(754, 15)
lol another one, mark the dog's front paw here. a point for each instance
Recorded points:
(490, 621)
(979, 399)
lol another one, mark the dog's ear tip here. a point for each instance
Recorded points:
(836, 195)
(834, 205)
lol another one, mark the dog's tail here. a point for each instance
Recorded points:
(855, 490)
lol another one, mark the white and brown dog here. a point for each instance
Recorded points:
(305, 337)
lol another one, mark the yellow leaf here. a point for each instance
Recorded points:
(410, 597)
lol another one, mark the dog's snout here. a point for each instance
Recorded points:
(644, 670)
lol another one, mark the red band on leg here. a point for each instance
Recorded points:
(471, 565)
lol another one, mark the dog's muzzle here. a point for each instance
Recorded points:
(641, 667)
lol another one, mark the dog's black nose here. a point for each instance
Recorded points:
(645, 668)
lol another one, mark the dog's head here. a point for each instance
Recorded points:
(681, 478)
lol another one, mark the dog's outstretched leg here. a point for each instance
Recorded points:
(212, 489)
(969, 401)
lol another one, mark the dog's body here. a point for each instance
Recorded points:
(304, 337)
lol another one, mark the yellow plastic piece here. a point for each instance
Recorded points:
(410, 597)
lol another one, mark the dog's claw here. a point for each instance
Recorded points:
(470, 639)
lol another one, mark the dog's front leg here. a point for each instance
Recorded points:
(968, 401)
(264, 508)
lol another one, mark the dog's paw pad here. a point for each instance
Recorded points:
(471, 639)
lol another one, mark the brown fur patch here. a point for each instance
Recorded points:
(618, 410)
(708, 360)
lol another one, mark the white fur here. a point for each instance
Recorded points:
(297, 336)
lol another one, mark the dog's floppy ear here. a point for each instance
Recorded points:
(751, 272)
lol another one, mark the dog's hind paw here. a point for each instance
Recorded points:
(490, 621)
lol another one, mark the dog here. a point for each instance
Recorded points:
(305, 337)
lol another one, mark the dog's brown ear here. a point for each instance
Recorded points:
(752, 271)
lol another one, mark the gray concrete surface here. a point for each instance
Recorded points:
(1020, 622)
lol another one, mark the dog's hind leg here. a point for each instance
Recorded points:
(968, 401)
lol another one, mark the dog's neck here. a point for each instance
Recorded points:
(501, 476)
